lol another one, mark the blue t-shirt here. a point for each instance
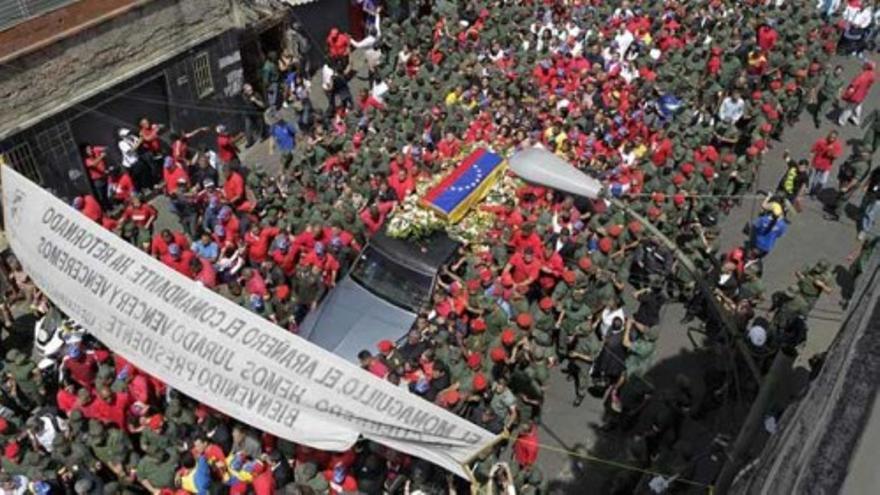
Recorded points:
(767, 232)
(208, 251)
(284, 135)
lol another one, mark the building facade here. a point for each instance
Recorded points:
(73, 76)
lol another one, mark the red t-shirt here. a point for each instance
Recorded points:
(140, 215)
(824, 154)
(233, 188)
(258, 244)
(521, 270)
(173, 177)
(91, 208)
(96, 167)
(181, 264)
(122, 187)
(226, 149)
(82, 370)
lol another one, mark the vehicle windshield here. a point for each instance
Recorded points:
(392, 281)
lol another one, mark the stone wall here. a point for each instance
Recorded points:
(40, 83)
(818, 436)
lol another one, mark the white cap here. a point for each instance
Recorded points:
(124, 132)
(757, 336)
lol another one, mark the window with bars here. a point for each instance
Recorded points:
(21, 158)
(204, 83)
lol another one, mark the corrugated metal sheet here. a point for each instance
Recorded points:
(14, 11)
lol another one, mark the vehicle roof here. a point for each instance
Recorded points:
(425, 255)
(352, 319)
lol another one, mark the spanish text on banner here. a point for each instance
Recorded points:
(214, 350)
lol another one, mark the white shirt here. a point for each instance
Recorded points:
(608, 317)
(327, 74)
(731, 110)
(129, 151)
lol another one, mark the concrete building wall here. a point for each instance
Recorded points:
(821, 436)
(35, 85)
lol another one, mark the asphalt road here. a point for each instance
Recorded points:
(810, 237)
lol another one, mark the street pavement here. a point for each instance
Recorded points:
(810, 237)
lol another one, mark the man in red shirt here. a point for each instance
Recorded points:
(174, 176)
(825, 151)
(120, 186)
(257, 240)
(523, 268)
(80, 366)
(227, 151)
(96, 165)
(325, 261)
(161, 241)
(178, 259)
(855, 94)
(89, 206)
(141, 214)
(234, 189)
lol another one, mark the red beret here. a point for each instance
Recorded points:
(473, 285)
(478, 325)
(605, 244)
(757, 95)
(635, 227)
(4, 425)
(615, 230)
(766, 127)
(678, 179)
(678, 199)
(486, 275)
(451, 397)
(480, 382)
(545, 303)
(508, 336)
(658, 197)
(752, 151)
(155, 422)
(654, 212)
(498, 355)
(385, 346)
(687, 168)
(568, 276)
(474, 360)
(524, 320)
(729, 158)
(708, 172)
(760, 144)
(585, 263)
(11, 450)
(282, 292)
(775, 84)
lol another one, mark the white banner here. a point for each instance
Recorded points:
(213, 350)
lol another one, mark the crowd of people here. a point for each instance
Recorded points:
(671, 104)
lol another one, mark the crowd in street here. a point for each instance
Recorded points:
(672, 105)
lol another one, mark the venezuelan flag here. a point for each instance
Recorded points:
(466, 185)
